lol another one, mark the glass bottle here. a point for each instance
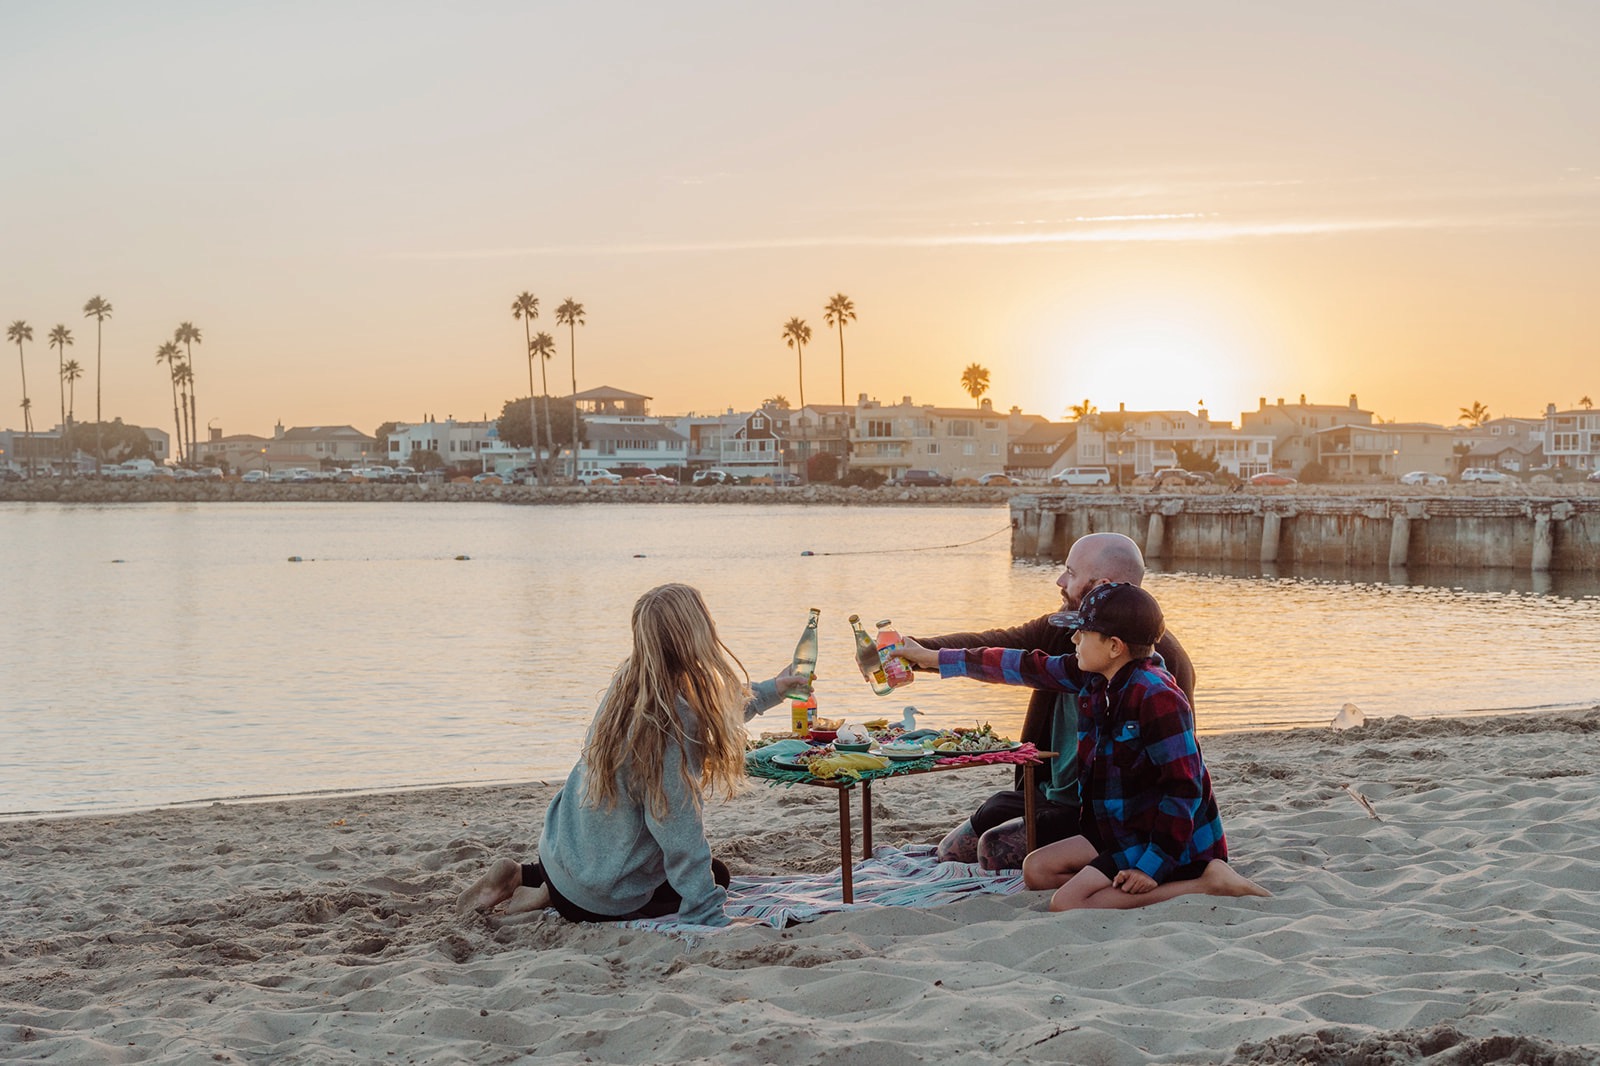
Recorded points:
(868, 659)
(895, 669)
(805, 651)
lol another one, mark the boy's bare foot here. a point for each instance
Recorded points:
(526, 899)
(1220, 879)
(493, 888)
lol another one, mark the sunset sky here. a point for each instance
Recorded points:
(1155, 204)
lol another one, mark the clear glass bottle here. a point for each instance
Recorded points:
(805, 651)
(868, 659)
(895, 669)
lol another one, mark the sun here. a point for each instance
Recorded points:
(1152, 355)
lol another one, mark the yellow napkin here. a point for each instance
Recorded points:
(847, 764)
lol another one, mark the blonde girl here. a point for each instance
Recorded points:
(625, 838)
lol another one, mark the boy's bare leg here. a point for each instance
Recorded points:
(493, 888)
(526, 899)
(959, 845)
(1004, 847)
(1091, 889)
(1054, 865)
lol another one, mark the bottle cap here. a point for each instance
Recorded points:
(855, 618)
(883, 623)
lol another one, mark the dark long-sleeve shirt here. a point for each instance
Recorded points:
(1040, 635)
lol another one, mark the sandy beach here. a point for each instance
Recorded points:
(1461, 926)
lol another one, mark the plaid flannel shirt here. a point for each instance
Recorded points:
(1140, 773)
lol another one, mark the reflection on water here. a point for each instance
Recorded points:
(1566, 584)
(165, 653)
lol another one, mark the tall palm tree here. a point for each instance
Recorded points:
(837, 312)
(71, 373)
(18, 332)
(1081, 411)
(570, 314)
(169, 354)
(1586, 403)
(187, 335)
(975, 379)
(1474, 416)
(796, 334)
(544, 346)
(60, 338)
(184, 377)
(526, 308)
(98, 309)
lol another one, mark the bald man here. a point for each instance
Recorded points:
(995, 835)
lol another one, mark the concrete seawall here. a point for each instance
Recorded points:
(1523, 532)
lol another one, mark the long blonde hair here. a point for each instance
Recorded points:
(676, 655)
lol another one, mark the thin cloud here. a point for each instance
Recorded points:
(1177, 228)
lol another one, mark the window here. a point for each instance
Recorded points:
(758, 422)
(960, 429)
(994, 449)
(969, 449)
(879, 427)
(933, 448)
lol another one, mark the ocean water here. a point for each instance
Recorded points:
(172, 653)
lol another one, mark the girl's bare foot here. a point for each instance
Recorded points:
(493, 888)
(1220, 879)
(526, 899)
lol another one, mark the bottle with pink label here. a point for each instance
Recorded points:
(896, 669)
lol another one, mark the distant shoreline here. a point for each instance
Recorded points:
(113, 492)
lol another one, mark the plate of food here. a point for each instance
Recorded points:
(903, 752)
(799, 761)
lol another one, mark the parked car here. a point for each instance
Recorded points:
(1082, 475)
(1271, 478)
(785, 480)
(996, 479)
(1181, 477)
(253, 477)
(1485, 474)
(714, 477)
(598, 477)
(657, 479)
(1422, 477)
(923, 479)
(488, 478)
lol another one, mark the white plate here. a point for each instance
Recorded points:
(1013, 746)
(903, 754)
(788, 762)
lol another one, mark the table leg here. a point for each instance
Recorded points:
(866, 819)
(1027, 805)
(845, 870)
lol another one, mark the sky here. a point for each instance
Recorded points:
(1157, 204)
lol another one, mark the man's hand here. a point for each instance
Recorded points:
(1133, 882)
(916, 654)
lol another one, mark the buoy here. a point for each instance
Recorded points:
(462, 558)
(296, 559)
(636, 555)
(806, 553)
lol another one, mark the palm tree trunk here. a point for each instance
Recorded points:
(99, 448)
(188, 353)
(572, 352)
(177, 424)
(533, 423)
(27, 410)
(844, 429)
(800, 357)
(549, 435)
(61, 382)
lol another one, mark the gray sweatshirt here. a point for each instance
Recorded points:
(611, 860)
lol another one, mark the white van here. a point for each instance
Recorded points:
(1082, 475)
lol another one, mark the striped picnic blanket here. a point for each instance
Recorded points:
(894, 877)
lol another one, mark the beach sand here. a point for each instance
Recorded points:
(1463, 927)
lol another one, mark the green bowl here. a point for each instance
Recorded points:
(837, 746)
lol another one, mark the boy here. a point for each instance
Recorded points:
(1149, 827)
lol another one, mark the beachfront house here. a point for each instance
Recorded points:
(453, 442)
(959, 442)
(1136, 443)
(1386, 450)
(1572, 438)
(1293, 427)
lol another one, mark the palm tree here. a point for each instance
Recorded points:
(1586, 403)
(975, 379)
(1474, 416)
(837, 312)
(526, 308)
(60, 338)
(184, 377)
(187, 335)
(570, 314)
(544, 346)
(168, 353)
(99, 310)
(1081, 411)
(796, 334)
(70, 374)
(779, 402)
(18, 332)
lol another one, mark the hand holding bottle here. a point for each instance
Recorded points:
(917, 655)
(790, 683)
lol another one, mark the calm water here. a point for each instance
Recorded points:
(170, 653)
